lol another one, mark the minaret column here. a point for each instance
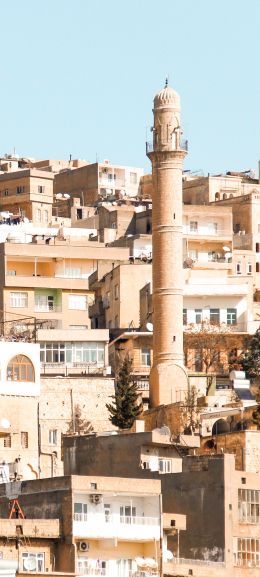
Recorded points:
(168, 375)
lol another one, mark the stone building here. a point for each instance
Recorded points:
(202, 488)
(27, 193)
(97, 181)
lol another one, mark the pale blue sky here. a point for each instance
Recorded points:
(78, 77)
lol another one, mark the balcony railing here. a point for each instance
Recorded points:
(117, 519)
(183, 146)
(207, 231)
(108, 573)
(205, 562)
(82, 369)
(99, 526)
(48, 308)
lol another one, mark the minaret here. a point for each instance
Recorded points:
(168, 375)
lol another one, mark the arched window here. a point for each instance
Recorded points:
(20, 368)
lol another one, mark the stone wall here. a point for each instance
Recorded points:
(59, 397)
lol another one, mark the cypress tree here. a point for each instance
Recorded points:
(125, 407)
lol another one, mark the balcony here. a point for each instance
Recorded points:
(41, 281)
(69, 369)
(206, 231)
(111, 182)
(97, 526)
(110, 573)
(183, 146)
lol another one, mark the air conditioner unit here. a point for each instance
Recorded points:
(96, 499)
(83, 546)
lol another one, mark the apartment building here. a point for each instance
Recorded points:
(97, 181)
(113, 308)
(204, 488)
(48, 279)
(110, 526)
(27, 193)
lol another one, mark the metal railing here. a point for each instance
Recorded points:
(206, 562)
(183, 146)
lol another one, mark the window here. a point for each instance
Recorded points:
(38, 215)
(33, 562)
(127, 514)
(214, 316)
(238, 268)
(213, 228)
(7, 441)
(83, 565)
(73, 272)
(231, 316)
(41, 189)
(247, 552)
(78, 302)
(6, 192)
(198, 316)
(24, 440)
(257, 267)
(116, 291)
(77, 352)
(20, 368)
(165, 465)
(249, 506)
(193, 254)
(80, 511)
(133, 178)
(46, 216)
(193, 226)
(146, 357)
(249, 268)
(107, 512)
(53, 437)
(257, 246)
(18, 300)
(11, 272)
(184, 315)
(19, 189)
(44, 303)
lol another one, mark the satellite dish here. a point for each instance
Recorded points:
(5, 424)
(169, 555)
(226, 248)
(228, 255)
(58, 195)
(30, 564)
(66, 195)
(149, 327)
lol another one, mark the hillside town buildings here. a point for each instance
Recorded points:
(98, 262)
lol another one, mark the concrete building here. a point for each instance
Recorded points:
(84, 525)
(48, 278)
(97, 181)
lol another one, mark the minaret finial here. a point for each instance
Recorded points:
(166, 81)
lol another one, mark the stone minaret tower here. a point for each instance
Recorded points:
(168, 375)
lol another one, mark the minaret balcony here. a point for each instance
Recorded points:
(152, 147)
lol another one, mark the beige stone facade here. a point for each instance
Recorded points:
(28, 193)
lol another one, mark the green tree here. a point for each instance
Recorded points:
(250, 359)
(78, 425)
(125, 407)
